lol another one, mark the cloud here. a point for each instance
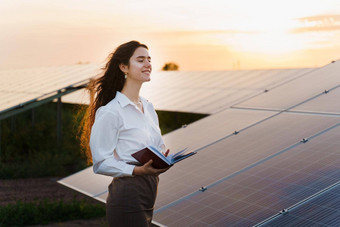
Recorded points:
(320, 23)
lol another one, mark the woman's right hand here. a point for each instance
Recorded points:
(147, 169)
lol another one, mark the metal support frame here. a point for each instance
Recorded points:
(33, 117)
(59, 119)
(13, 125)
(0, 138)
(40, 100)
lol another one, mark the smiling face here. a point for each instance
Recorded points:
(139, 68)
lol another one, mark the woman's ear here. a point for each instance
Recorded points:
(123, 68)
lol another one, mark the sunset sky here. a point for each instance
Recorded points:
(195, 34)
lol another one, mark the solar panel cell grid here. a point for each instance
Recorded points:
(10, 99)
(64, 79)
(281, 189)
(223, 99)
(325, 103)
(87, 182)
(13, 78)
(240, 78)
(218, 79)
(323, 210)
(298, 90)
(280, 77)
(25, 85)
(193, 99)
(212, 128)
(187, 221)
(237, 152)
(37, 80)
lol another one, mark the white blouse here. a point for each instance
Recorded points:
(120, 129)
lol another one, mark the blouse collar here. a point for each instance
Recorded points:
(124, 100)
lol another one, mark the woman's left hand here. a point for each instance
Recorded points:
(147, 169)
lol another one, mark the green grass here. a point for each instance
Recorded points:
(46, 211)
(33, 150)
(169, 121)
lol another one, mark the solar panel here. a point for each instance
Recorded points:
(237, 152)
(263, 190)
(208, 91)
(8, 99)
(81, 96)
(215, 127)
(87, 182)
(20, 86)
(214, 100)
(60, 79)
(203, 132)
(321, 210)
(298, 90)
(25, 79)
(328, 102)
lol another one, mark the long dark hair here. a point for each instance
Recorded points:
(103, 89)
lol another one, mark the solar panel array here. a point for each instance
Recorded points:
(272, 159)
(207, 91)
(249, 196)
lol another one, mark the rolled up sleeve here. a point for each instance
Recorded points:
(103, 142)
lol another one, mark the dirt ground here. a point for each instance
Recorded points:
(28, 190)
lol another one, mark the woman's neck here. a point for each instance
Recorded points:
(131, 90)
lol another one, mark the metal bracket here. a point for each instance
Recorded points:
(284, 211)
(202, 189)
(304, 140)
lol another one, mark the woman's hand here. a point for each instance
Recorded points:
(147, 169)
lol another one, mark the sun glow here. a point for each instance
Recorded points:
(197, 34)
(262, 30)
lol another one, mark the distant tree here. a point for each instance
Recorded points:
(170, 66)
(82, 63)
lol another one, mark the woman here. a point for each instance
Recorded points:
(120, 122)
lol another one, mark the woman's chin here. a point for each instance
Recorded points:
(147, 79)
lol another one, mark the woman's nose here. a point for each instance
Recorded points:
(148, 64)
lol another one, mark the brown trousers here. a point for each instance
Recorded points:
(130, 201)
